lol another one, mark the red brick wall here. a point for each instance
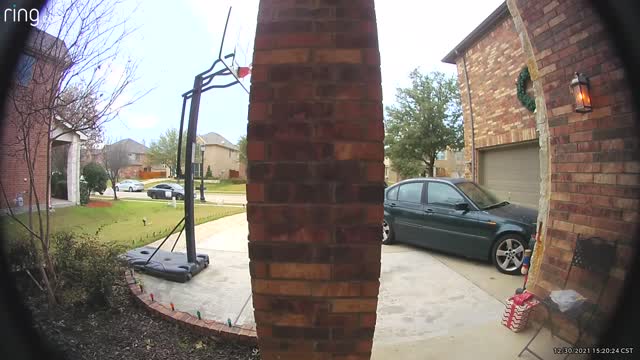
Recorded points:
(493, 65)
(315, 150)
(12, 155)
(595, 166)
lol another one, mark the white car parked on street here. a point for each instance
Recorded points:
(130, 185)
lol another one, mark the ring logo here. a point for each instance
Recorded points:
(19, 15)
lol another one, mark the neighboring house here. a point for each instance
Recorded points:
(450, 163)
(71, 141)
(42, 55)
(390, 175)
(138, 160)
(501, 142)
(220, 154)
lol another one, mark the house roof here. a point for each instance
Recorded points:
(68, 126)
(488, 24)
(43, 43)
(214, 138)
(132, 146)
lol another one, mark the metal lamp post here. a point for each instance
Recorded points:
(202, 147)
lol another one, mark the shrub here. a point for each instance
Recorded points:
(238, 181)
(20, 255)
(96, 177)
(209, 174)
(87, 268)
(84, 193)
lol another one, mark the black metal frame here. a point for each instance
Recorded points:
(202, 83)
(592, 254)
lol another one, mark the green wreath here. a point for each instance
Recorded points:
(521, 85)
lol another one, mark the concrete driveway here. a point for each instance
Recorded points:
(431, 306)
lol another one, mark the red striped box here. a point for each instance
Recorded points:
(517, 310)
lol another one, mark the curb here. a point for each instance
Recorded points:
(245, 334)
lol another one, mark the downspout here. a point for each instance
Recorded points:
(473, 131)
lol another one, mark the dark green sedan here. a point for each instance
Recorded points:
(460, 217)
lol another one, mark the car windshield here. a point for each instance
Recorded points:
(479, 195)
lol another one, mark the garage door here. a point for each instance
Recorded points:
(512, 173)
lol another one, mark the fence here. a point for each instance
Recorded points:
(144, 175)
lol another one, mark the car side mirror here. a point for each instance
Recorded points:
(462, 206)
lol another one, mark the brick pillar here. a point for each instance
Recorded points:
(315, 193)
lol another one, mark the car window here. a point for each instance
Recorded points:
(392, 194)
(411, 192)
(479, 195)
(443, 194)
(162, 186)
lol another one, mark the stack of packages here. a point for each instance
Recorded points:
(517, 311)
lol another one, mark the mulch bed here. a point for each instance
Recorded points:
(126, 331)
(99, 204)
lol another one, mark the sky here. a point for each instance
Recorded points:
(174, 43)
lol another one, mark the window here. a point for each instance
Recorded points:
(229, 154)
(459, 156)
(411, 192)
(24, 71)
(481, 196)
(393, 194)
(441, 155)
(443, 194)
(386, 172)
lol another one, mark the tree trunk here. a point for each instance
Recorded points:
(113, 187)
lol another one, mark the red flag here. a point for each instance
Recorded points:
(243, 71)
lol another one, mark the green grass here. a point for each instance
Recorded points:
(122, 223)
(210, 187)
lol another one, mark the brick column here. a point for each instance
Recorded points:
(315, 193)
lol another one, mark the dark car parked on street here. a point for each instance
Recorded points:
(460, 217)
(167, 191)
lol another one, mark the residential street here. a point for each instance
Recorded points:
(214, 198)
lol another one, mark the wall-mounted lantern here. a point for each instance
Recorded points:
(580, 90)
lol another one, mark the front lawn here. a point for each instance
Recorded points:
(122, 222)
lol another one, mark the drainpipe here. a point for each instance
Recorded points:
(473, 131)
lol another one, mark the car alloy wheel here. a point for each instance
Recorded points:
(508, 254)
(387, 233)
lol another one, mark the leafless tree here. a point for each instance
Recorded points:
(74, 86)
(115, 157)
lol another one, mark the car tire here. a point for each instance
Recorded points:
(117, 189)
(507, 253)
(387, 233)
(130, 189)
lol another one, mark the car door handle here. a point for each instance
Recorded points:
(428, 211)
(392, 204)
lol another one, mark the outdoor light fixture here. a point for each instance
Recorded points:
(580, 90)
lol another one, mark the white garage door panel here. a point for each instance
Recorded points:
(513, 173)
